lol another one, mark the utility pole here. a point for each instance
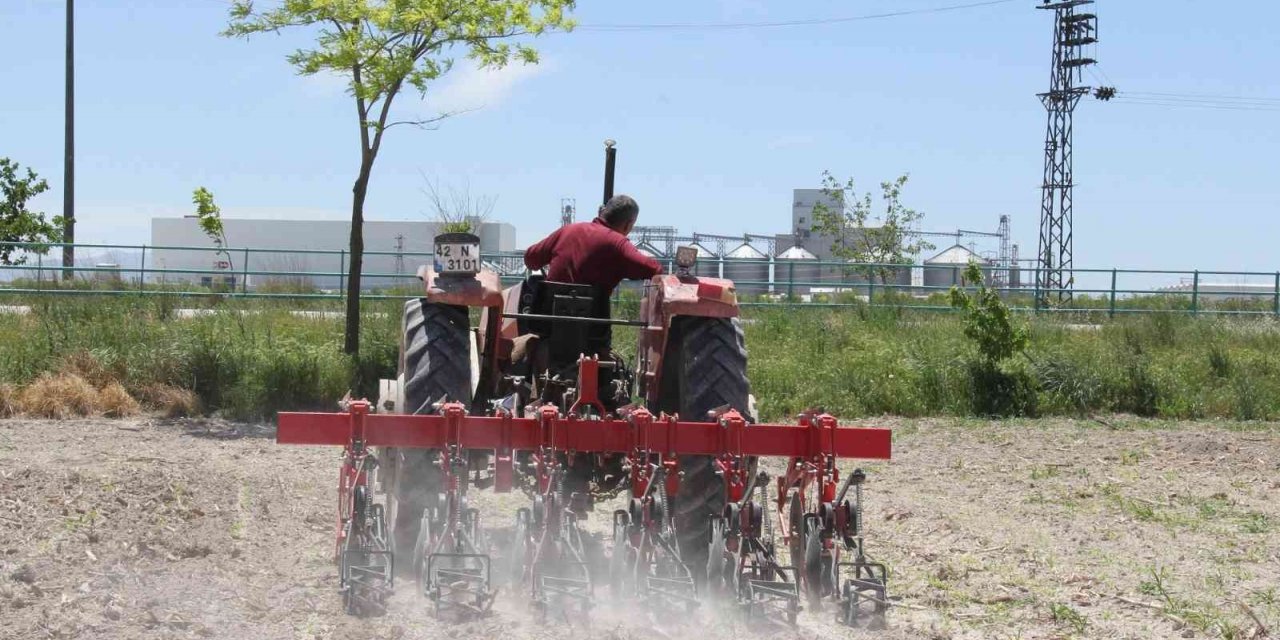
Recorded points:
(568, 210)
(1072, 32)
(69, 154)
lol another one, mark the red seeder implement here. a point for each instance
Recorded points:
(816, 515)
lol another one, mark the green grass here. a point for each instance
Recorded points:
(872, 362)
(252, 358)
(248, 360)
(1068, 616)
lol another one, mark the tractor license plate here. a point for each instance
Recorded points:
(461, 257)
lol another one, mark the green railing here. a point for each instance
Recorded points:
(198, 271)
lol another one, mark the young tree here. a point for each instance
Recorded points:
(384, 46)
(27, 229)
(862, 234)
(209, 217)
(988, 322)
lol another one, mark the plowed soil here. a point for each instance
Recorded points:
(1114, 528)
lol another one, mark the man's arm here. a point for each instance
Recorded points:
(636, 265)
(539, 255)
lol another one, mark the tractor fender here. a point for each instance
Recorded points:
(696, 296)
(483, 289)
(670, 296)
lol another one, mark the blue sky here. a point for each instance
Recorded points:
(715, 127)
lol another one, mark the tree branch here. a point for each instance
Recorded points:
(382, 116)
(426, 123)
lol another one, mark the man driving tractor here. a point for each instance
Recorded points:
(593, 257)
(597, 253)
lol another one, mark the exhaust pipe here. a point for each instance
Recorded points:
(610, 158)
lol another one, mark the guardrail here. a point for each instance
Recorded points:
(256, 272)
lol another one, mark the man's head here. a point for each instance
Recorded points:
(620, 213)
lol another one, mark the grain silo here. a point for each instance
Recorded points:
(708, 264)
(947, 268)
(748, 268)
(795, 271)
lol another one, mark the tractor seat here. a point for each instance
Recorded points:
(567, 340)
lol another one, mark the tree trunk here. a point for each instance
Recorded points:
(351, 345)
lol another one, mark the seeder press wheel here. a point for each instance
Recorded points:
(556, 558)
(365, 565)
(453, 553)
(646, 561)
(743, 566)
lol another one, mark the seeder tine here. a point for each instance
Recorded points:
(564, 593)
(459, 583)
(864, 597)
(366, 580)
(773, 596)
(664, 593)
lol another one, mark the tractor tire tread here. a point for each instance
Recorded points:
(436, 366)
(713, 374)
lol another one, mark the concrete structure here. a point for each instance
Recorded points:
(748, 268)
(394, 249)
(802, 233)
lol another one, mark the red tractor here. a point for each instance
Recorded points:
(535, 397)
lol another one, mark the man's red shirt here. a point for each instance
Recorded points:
(590, 253)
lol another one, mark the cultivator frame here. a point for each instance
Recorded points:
(366, 566)
(454, 566)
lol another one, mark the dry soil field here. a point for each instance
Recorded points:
(1101, 529)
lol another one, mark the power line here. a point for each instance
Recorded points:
(781, 23)
(1200, 97)
(1194, 105)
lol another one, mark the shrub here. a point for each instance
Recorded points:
(1070, 386)
(115, 402)
(1140, 394)
(171, 402)
(1001, 391)
(996, 389)
(60, 396)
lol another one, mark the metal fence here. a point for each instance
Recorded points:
(195, 271)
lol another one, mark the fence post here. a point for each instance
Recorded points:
(871, 291)
(1276, 303)
(39, 272)
(342, 272)
(791, 281)
(244, 273)
(1112, 312)
(142, 270)
(1035, 302)
(1195, 293)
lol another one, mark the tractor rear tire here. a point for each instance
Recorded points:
(436, 361)
(711, 373)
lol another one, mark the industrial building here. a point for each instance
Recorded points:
(1222, 291)
(394, 249)
(804, 260)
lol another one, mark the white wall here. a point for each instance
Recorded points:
(296, 235)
